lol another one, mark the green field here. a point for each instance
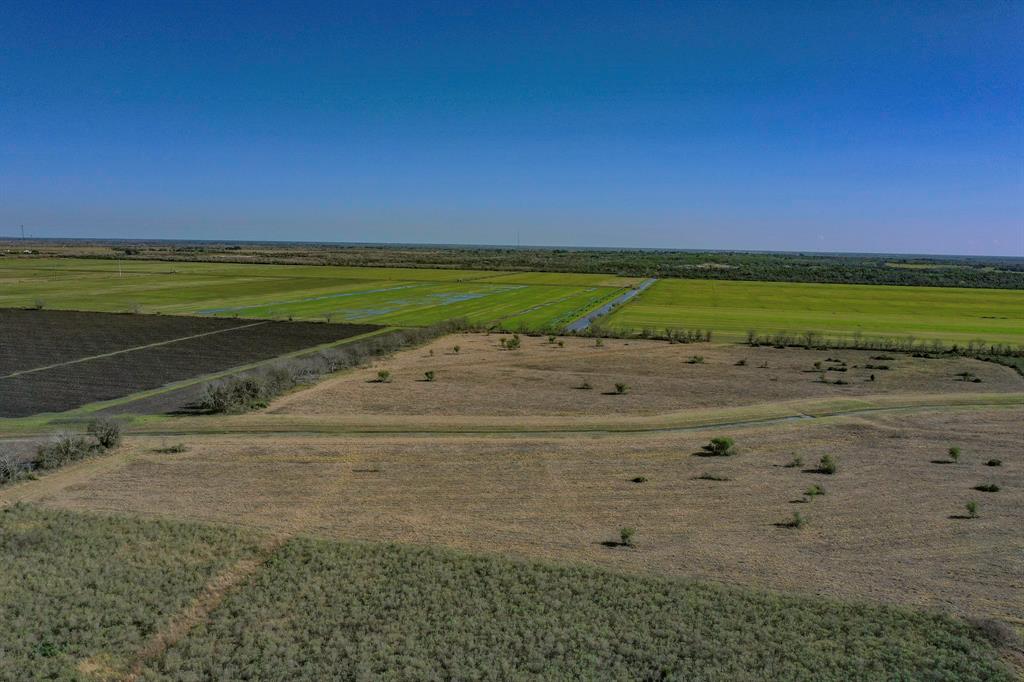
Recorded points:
(392, 296)
(731, 309)
(516, 300)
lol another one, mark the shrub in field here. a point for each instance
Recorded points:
(598, 342)
(429, 375)
(695, 360)
(639, 479)
(814, 491)
(712, 477)
(585, 386)
(64, 449)
(954, 454)
(456, 348)
(39, 304)
(551, 338)
(994, 463)
(172, 449)
(828, 465)
(742, 362)
(987, 488)
(621, 388)
(720, 446)
(12, 470)
(797, 461)
(798, 521)
(383, 376)
(972, 509)
(107, 432)
(561, 344)
(513, 343)
(627, 535)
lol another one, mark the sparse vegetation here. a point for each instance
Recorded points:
(797, 461)
(324, 610)
(174, 449)
(456, 348)
(994, 462)
(987, 488)
(972, 509)
(638, 479)
(696, 360)
(712, 477)
(429, 375)
(742, 362)
(954, 454)
(621, 388)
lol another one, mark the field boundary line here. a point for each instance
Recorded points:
(364, 425)
(202, 605)
(132, 349)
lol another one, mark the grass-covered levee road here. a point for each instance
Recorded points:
(90, 596)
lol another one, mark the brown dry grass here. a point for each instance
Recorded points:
(543, 379)
(883, 530)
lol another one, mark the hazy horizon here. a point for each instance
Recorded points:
(796, 127)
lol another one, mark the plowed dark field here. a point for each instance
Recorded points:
(32, 341)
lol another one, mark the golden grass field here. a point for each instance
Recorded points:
(502, 453)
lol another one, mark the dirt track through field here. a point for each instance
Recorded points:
(133, 349)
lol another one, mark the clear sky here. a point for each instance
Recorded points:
(824, 126)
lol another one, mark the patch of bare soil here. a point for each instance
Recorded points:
(887, 527)
(542, 378)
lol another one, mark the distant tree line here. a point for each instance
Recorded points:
(946, 271)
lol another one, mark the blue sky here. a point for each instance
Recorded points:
(824, 126)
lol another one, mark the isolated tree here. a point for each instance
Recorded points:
(383, 376)
(972, 509)
(954, 454)
(456, 348)
(429, 375)
(107, 432)
(828, 465)
(621, 388)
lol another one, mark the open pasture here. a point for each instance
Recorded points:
(392, 296)
(731, 309)
(105, 356)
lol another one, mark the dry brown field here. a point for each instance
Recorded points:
(887, 528)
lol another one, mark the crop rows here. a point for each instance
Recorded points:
(65, 387)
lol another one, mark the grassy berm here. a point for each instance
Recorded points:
(327, 610)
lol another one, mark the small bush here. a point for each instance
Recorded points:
(172, 449)
(817, 364)
(987, 488)
(797, 461)
(828, 465)
(994, 463)
(972, 509)
(798, 521)
(741, 362)
(456, 348)
(107, 432)
(429, 375)
(639, 479)
(814, 491)
(954, 454)
(551, 338)
(585, 386)
(64, 449)
(696, 360)
(561, 344)
(621, 388)
(626, 535)
(598, 343)
(39, 304)
(383, 376)
(720, 446)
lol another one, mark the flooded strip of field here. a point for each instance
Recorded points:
(588, 319)
(324, 297)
